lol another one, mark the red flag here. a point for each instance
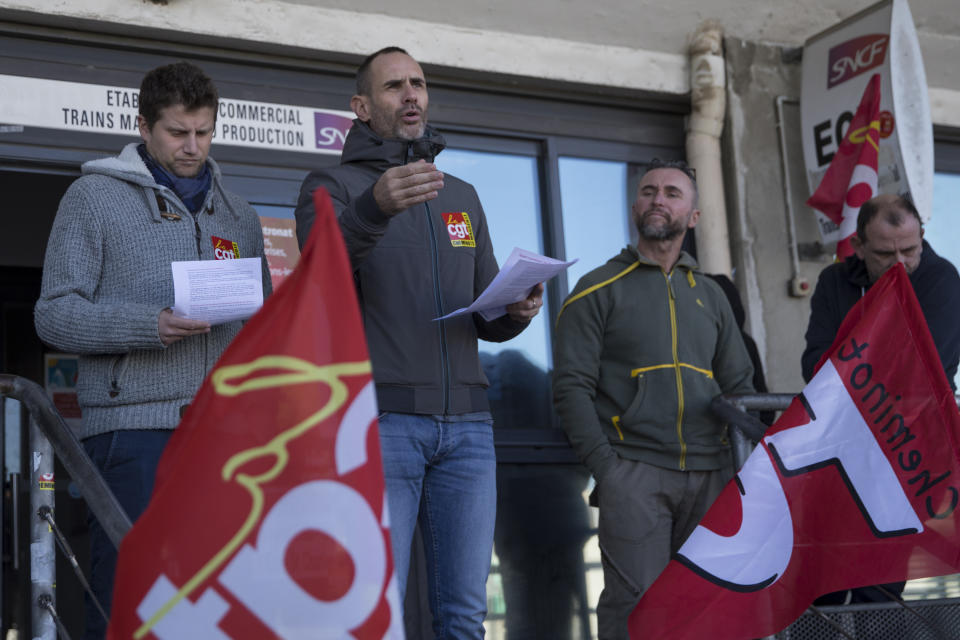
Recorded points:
(851, 178)
(856, 484)
(268, 517)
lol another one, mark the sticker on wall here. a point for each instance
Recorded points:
(46, 482)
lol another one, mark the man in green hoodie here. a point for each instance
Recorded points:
(643, 344)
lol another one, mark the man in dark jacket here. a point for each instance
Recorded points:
(420, 248)
(889, 230)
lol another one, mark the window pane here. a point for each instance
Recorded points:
(508, 188)
(943, 234)
(546, 576)
(942, 230)
(596, 204)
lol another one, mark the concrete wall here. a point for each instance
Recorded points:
(629, 44)
(322, 29)
(757, 204)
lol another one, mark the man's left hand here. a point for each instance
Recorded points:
(526, 309)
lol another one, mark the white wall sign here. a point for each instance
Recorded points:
(76, 106)
(837, 64)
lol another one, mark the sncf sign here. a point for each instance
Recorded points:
(854, 57)
(331, 130)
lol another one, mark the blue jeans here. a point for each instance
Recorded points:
(443, 471)
(128, 462)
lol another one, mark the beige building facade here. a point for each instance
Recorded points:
(549, 108)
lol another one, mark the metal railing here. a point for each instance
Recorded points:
(50, 437)
(747, 430)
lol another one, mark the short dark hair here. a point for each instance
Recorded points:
(680, 165)
(893, 214)
(363, 71)
(177, 83)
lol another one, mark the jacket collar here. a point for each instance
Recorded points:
(630, 254)
(129, 167)
(363, 145)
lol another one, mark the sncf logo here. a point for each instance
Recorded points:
(331, 130)
(836, 436)
(854, 57)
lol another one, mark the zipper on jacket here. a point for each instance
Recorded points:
(198, 234)
(207, 365)
(676, 367)
(166, 213)
(438, 300)
(437, 297)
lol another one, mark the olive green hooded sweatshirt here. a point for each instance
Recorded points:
(638, 356)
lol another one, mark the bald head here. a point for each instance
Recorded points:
(893, 208)
(888, 231)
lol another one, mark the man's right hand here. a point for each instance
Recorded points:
(601, 461)
(399, 188)
(173, 328)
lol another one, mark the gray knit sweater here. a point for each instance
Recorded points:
(107, 277)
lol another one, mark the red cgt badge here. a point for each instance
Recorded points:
(459, 229)
(225, 249)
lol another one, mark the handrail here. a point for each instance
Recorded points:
(732, 408)
(104, 505)
(746, 430)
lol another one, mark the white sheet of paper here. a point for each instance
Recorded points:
(518, 275)
(217, 291)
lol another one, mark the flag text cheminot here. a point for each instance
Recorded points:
(881, 407)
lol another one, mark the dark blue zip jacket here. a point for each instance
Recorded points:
(424, 262)
(842, 284)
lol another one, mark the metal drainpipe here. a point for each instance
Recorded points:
(704, 126)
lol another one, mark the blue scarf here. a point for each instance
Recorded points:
(191, 191)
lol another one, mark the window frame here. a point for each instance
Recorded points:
(473, 110)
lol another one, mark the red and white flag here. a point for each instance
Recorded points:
(856, 484)
(851, 178)
(268, 517)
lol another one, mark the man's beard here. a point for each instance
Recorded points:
(401, 131)
(381, 123)
(667, 231)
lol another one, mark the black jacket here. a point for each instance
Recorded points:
(410, 269)
(841, 285)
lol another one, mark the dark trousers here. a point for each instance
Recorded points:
(646, 514)
(128, 462)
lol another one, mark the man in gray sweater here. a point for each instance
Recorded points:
(107, 289)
